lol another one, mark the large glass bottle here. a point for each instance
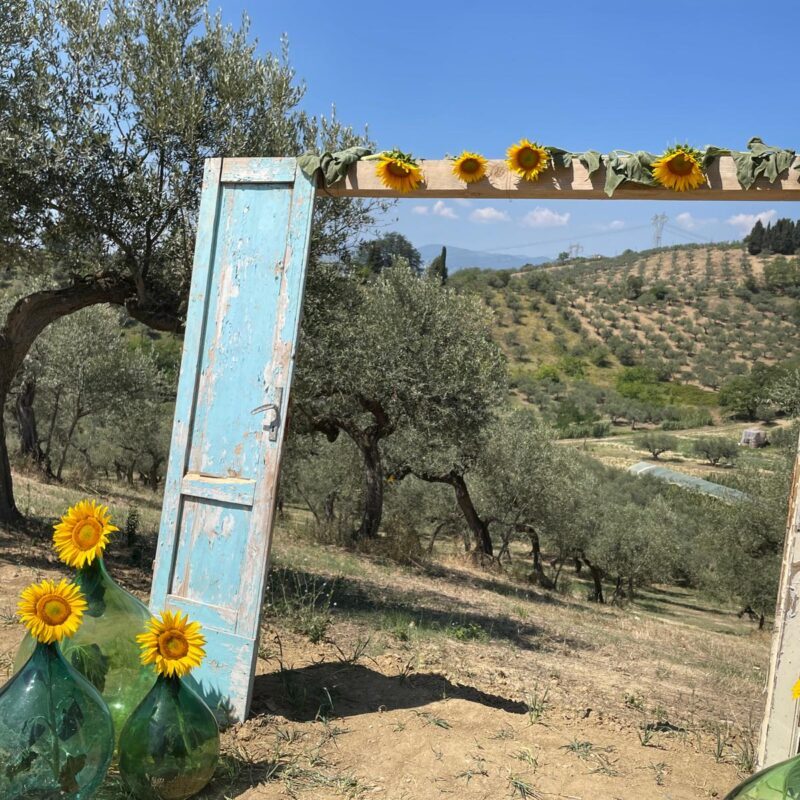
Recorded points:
(170, 745)
(779, 782)
(56, 734)
(104, 649)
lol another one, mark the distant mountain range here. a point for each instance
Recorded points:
(460, 258)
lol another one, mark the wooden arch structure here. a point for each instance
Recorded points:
(241, 334)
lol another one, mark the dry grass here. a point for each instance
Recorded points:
(442, 679)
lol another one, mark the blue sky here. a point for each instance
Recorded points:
(437, 77)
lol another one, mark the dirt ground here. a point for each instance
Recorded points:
(444, 680)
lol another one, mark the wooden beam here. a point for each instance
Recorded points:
(561, 184)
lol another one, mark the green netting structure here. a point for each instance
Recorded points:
(688, 481)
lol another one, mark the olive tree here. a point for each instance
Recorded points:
(93, 391)
(109, 109)
(657, 443)
(399, 356)
(525, 487)
(745, 543)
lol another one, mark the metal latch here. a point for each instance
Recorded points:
(273, 422)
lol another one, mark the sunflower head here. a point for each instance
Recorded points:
(469, 167)
(796, 691)
(679, 168)
(399, 171)
(172, 643)
(51, 611)
(82, 533)
(527, 159)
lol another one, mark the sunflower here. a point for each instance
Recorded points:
(796, 691)
(527, 159)
(82, 534)
(679, 169)
(469, 167)
(173, 644)
(398, 171)
(50, 611)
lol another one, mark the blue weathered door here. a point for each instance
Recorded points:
(220, 489)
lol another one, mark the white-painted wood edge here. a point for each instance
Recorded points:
(573, 183)
(779, 731)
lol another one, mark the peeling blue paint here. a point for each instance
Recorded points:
(241, 335)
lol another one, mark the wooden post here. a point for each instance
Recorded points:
(233, 391)
(780, 731)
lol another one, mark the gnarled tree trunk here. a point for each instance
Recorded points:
(477, 525)
(25, 414)
(373, 488)
(30, 316)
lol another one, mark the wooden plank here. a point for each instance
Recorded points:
(239, 491)
(209, 616)
(562, 184)
(780, 736)
(279, 376)
(187, 384)
(258, 170)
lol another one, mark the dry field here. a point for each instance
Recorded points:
(443, 680)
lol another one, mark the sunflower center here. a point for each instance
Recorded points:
(469, 165)
(52, 609)
(528, 158)
(680, 164)
(172, 644)
(398, 170)
(86, 534)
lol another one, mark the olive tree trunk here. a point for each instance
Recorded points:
(28, 317)
(373, 489)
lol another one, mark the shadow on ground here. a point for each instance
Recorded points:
(383, 607)
(321, 691)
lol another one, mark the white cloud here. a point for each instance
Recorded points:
(614, 225)
(488, 214)
(439, 209)
(745, 222)
(442, 210)
(542, 217)
(690, 223)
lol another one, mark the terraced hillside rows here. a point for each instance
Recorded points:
(691, 318)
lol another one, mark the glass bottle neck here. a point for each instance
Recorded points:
(93, 580)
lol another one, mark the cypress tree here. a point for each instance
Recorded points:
(755, 239)
(438, 267)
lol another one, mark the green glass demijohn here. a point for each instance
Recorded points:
(104, 649)
(779, 782)
(56, 733)
(170, 745)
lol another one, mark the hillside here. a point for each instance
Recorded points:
(451, 677)
(668, 328)
(460, 258)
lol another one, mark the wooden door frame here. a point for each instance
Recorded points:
(779, 734)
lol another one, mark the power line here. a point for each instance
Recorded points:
(570, 238)
(674, 229)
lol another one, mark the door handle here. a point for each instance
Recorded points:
(273, 422)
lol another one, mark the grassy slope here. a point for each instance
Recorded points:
(377, 680)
